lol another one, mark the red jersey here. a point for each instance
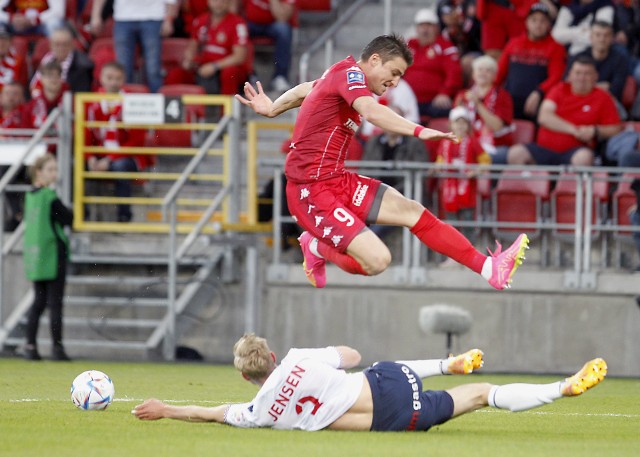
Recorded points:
(113, 137)
(459, 193)
(326, 124)
(436, 69)
(259, 12)
(595, 108)
(498, 101)
(218, 41)
(14, 119)
(37, 110)
(12, 68)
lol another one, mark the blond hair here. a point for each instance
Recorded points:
(39, 164)
(485, 61)
(252, 356)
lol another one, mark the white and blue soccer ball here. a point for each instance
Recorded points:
(92, 390)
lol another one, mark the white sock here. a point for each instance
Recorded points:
(520, 397)
(487, 268)
(426, 368)
(313, 247)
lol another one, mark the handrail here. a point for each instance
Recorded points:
(13, 169)
(194, 162)
(325, 37)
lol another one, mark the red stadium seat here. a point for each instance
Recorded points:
(520, 196)
(629, 92)
(622, 201)
(173, 52)
(134, 88)
(192, 114)
(563, 207)
(101, 52)
(314, 5)
(525, 131)
(40, 49)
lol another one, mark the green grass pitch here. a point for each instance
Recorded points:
(37, 418)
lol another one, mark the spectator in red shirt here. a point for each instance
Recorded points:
(573, 117)
(11, 117)
(11, 106)
(458, 194)
(112, 79)
(504, 20)
(490, 106)
(218, 50)
(12, 66)
(53, 87)
(436, 74)
(273, 18)
(531, 64)
(33, 17)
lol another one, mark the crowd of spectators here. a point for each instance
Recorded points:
(570, 67)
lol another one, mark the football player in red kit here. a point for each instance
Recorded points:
(334, 205)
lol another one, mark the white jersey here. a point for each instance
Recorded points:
(307, 391)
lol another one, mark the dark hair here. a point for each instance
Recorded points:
(115, 65)
(603, 24)
(584, 59)
(52, 65)
(388, 47)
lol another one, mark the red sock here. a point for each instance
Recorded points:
(445, 239)
(343, 260)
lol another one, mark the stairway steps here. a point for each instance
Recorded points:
(114, 301)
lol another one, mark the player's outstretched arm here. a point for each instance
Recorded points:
(387, 119)
(349, 357)
(256, 99)
(153, 409)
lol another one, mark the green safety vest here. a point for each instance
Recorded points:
(41, 236)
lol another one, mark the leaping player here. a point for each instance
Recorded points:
(334, 206)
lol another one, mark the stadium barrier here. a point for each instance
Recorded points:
(512, 200)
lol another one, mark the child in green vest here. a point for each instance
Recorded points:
(46, 250)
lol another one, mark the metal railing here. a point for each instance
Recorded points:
(412, 264)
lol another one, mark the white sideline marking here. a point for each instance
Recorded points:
(127, 399)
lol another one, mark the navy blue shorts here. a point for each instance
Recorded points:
(544, 156)
(399, 402)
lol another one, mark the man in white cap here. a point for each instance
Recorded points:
(436, 73)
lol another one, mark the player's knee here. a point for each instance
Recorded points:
(378, 262)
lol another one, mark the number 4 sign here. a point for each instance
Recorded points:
(173, 109)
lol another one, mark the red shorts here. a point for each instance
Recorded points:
(336, 210)
(500, 25)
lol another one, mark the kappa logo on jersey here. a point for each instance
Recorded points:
(304, 193)
(336, 239)
(355, 77)
(318, 220)
(359, 194)
(310, 208)
(326, 231)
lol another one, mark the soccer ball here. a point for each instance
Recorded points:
(92, 390)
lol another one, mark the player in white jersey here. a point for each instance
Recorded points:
(310, 390)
